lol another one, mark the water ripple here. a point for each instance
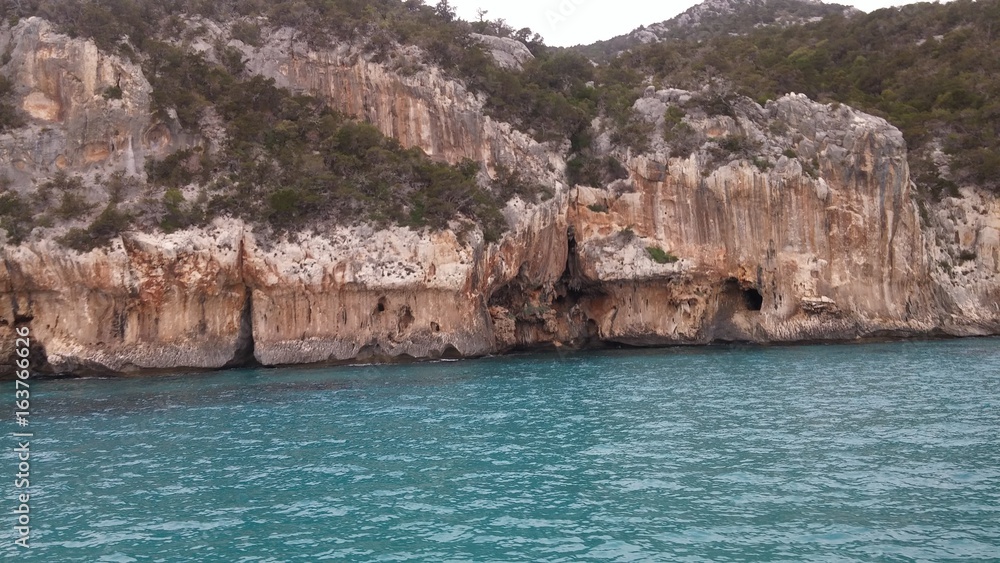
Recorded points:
(832, 453)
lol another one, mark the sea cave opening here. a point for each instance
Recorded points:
(753, 299)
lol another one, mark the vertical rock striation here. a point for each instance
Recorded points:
(817, 236)
(764, 255)
(89, 110)
(148, 302)
(364, 294)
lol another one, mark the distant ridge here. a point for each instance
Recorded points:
(713, 18)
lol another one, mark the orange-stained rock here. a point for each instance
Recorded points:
(827, 245)
(63, 82)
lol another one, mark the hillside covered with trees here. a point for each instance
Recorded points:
(270, 171)
(930, 69)
(716, 18)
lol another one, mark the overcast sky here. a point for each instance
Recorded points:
(572, 22)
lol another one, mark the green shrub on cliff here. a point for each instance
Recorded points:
(10, 117)
(588, 170)
(62, 198)
(72, 206)
(734, 147)
(178, 212)
(110, 223)
(112, 93)
(15, 216)
(661, 256)
(510, 182)
(682, 138)
(247, 32)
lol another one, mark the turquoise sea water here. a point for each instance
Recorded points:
(875, 452)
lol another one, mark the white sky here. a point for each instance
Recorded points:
(571, 22)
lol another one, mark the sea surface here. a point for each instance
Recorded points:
(868, 452)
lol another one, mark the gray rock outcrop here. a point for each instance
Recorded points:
(508, 53)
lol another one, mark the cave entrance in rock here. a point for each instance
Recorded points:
(753, 299)
(737, 297)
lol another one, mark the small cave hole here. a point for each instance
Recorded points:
(450, 352)
(380, 307)
(435, 327)
(753, 299)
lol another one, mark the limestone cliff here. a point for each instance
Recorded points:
(423, 109)
(815, 235)
(765, 253)
(89, 110)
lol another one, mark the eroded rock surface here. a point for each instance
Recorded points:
(814, 236)
(89, 110)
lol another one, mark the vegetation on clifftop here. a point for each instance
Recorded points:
(549, 98)
(704, 22)
(287, 160)
(290, 161)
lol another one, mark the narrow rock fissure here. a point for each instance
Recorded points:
(581, 330)
(244, 353)
(569, 277)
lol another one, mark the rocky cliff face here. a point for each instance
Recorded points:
(89, 110)
(816, 235)
(148, 302)
(422, 109)
(766, 252)
(964, 249)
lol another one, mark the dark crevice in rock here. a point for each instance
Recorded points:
(38, 360)
(372, 351)
(572, 295)
(119, 323)
(735, 301)
(736, 296)
(404, 319)
(244, 354)
(570, 276)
